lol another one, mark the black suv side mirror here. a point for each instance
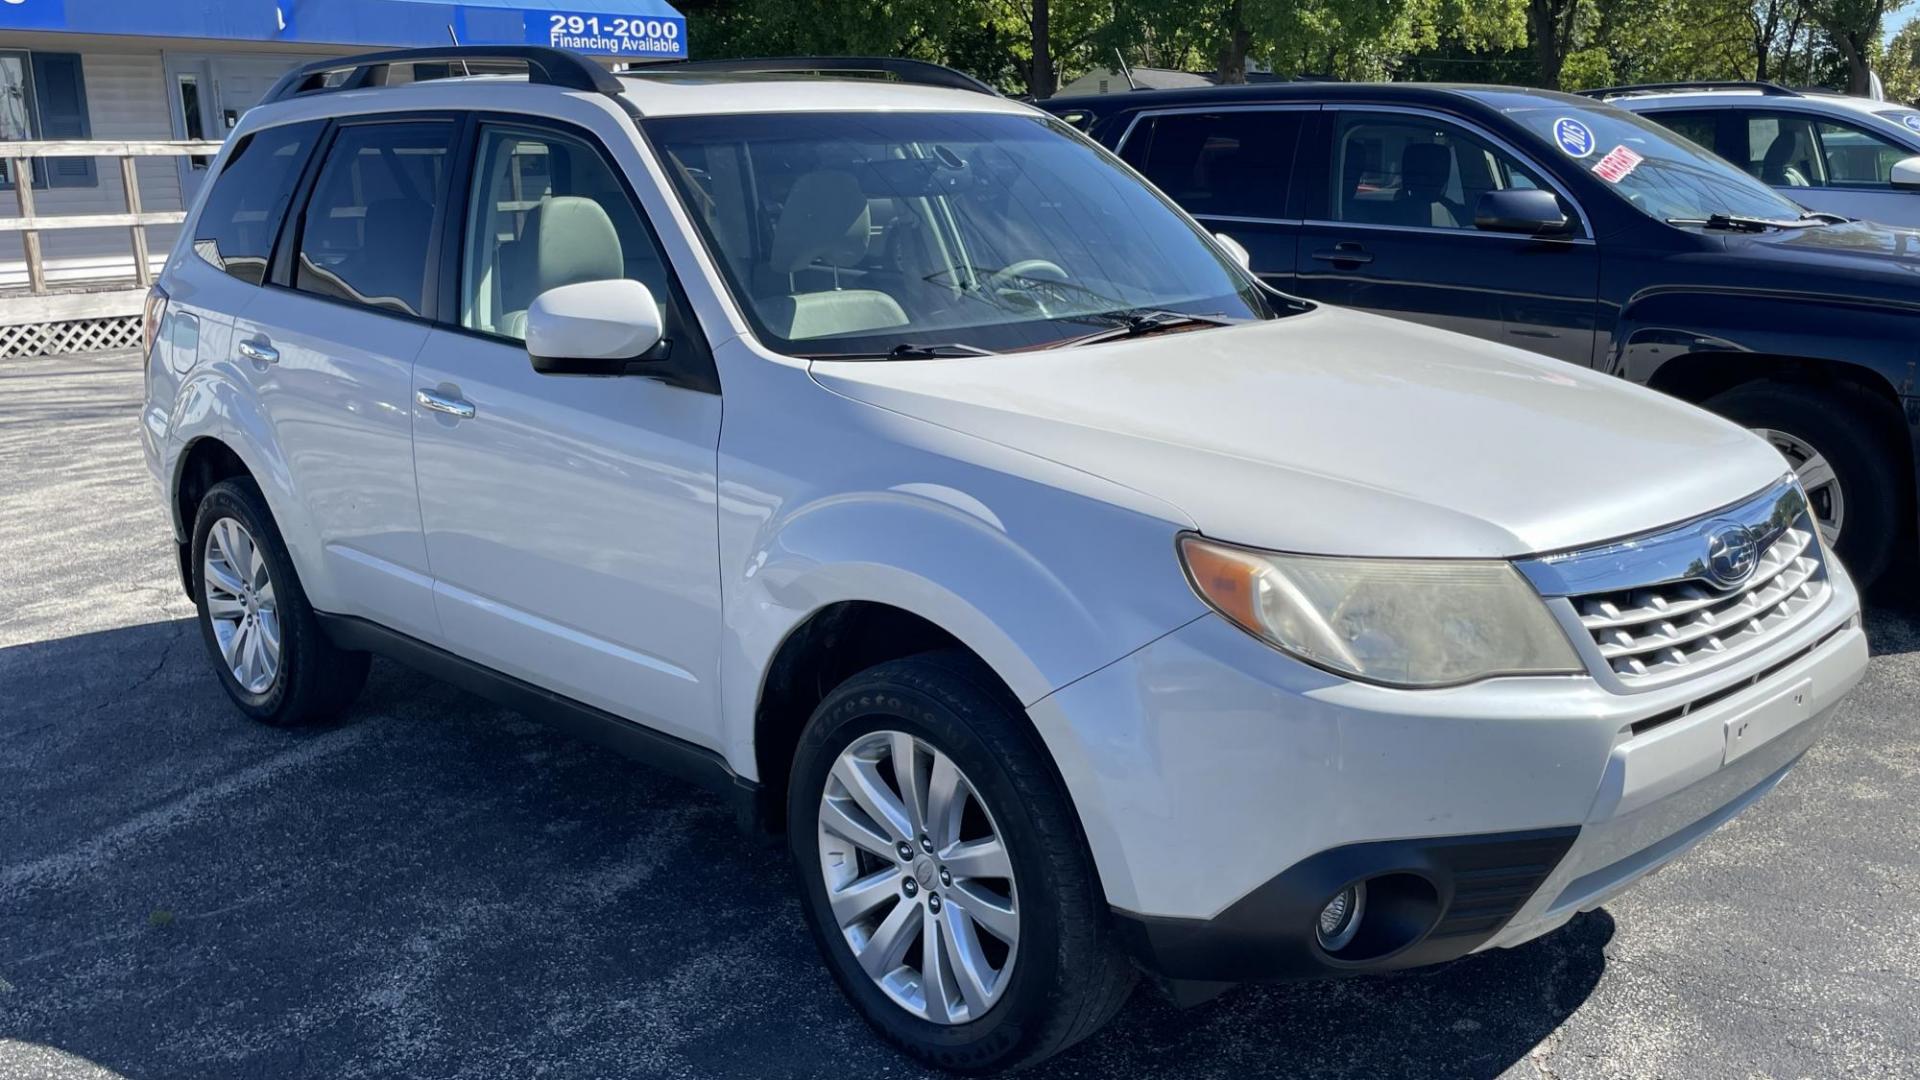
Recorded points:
(1528, 211)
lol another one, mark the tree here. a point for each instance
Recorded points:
(1853, 26)
(1900, 67)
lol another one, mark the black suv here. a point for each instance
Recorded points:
(1572, 228)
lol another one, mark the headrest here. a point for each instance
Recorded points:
(825, 217)
(1426, 166)
(573, 241)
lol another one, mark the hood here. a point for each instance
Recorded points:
(1855, 259)
(1335, 432)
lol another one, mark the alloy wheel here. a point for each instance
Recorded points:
(240, 605)
(919, 878)
(1817, 478)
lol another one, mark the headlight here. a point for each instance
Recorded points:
(1405, 622)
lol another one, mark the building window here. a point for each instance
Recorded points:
(193, 125)
(44, 96)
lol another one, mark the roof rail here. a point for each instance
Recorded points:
(546, 67)
(1768, 88)
(918, 72)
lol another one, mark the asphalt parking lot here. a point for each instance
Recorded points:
(440, 888)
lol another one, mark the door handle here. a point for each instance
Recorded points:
(441, 403)
(259, 352)
(1347, 252)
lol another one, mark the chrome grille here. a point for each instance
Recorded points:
(1655, 630)
(1655, 608)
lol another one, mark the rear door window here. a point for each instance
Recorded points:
(368, 228)
(236, 227)
(1232, 163)
(1782, 150)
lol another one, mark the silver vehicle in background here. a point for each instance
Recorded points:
(1851, 156)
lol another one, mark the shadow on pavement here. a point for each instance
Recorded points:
(441, 888)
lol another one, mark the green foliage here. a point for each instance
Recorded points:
(1595, 42)
(1899, 65)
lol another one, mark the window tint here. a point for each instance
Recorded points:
(367, 227)
(1781, 150)
(1416, 172)
(547, 210)
(1232, 164)
(249, 197)
(1699, 127)
(1855, 158)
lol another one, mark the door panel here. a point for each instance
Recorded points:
(332, 360)
(1396, 236)
(571, 521)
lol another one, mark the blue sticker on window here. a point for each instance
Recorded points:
(1912, 120)
(1574, 137)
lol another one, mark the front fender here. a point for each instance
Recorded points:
(1659, 326)
(1041, 570)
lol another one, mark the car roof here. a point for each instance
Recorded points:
(695, 94)
(1711, 97)
(1311, 91)
(698, 93)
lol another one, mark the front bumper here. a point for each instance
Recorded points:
(1228, 792)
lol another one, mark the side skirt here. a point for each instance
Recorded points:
(677, 757)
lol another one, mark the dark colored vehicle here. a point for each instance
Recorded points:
(1572, 228)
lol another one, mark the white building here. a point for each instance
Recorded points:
(166, 70)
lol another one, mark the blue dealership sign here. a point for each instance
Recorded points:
(33, 14)
(617, 35)
(642, 29)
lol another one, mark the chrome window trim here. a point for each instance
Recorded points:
(1580, 212)
(1233, 219)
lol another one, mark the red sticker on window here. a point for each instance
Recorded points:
(1616, 165)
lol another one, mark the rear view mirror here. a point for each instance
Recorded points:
(593, 328)
(1233, 248)
(1526, 211)
(1906, 174)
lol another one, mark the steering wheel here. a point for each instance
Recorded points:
(1016, 279)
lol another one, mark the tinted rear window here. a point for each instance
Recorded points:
(1229, 164)
(249, 197)
(370, 220)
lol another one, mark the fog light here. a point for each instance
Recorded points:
(1340, 919)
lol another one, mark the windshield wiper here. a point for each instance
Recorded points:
(1741, 223)
(909, 351)
(1139, 322)
(1824, 217)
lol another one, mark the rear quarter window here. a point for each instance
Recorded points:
(243, 212)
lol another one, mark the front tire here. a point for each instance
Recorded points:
(943, 873)
(1836, 442)
(268, 649)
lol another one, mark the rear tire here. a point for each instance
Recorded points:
(1837, 439)
(1061, 979)
(265, 643)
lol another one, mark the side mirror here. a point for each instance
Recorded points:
(1234, 250)
(1906, 174)
(593, 328)
(1527, 211)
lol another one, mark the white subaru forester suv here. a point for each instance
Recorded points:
(899, 463)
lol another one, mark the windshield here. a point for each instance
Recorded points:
(858, 233)
(1657, 171)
